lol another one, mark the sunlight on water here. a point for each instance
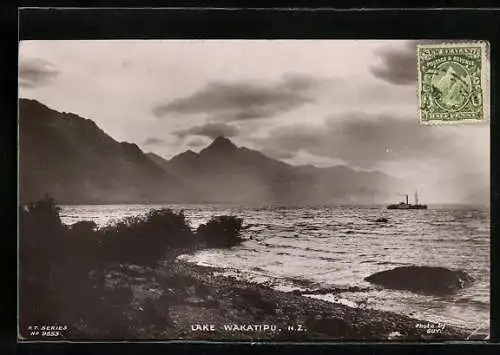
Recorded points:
(339, 246)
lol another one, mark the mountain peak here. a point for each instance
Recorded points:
(221, 140)
(221, 144)
(190, 153)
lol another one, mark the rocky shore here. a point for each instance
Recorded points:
(178, 300)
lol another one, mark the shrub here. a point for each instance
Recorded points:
(86, 243)
(83, 228)
(40, 225)
(221, 231)
(40, 231)
(44, 212)
(54, 283)
(146, 239)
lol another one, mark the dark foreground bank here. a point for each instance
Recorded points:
(183, 301)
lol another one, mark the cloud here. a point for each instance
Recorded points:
(35, 72)
(398, 65)
(243, 100)
(211, 130)
(197, 142)
(363, 140)
(447, 163)
(303, 82)
(279, 154)
(154, 141)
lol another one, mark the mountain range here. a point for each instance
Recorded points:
(223, 172)
(72, 159)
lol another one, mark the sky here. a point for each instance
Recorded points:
(319, 102)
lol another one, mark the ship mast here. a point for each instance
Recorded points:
(406, 198)
(416, 197)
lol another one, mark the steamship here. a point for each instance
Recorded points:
(406, 205)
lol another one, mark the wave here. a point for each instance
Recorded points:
(472, 302)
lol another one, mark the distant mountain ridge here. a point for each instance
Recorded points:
(223, 172)
(75, 161)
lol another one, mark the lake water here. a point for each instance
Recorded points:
(294, 247)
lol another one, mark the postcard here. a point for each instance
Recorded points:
(254, 190)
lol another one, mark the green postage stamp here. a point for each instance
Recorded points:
(453, 83)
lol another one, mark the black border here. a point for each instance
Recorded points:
(114, 23)
(233, 23)
(8, 168)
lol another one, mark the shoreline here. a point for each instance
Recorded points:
(179, 300)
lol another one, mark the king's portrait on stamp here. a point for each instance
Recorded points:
(453, 83)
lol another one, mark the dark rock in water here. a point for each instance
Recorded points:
(382, 220)
(422, 279)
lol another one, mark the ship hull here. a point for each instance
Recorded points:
(407, 207)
